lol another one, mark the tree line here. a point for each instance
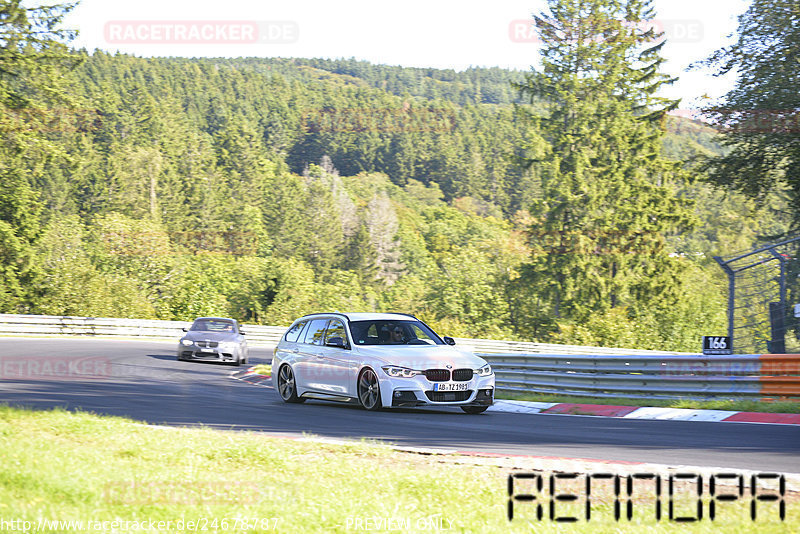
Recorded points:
(562, 204)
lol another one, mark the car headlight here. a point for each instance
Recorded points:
(187, 342)
(486, 370)
(400, 372)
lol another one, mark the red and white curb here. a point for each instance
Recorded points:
(634, 412)
(250, 377)
(602, 410)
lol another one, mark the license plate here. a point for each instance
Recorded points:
(450, 387)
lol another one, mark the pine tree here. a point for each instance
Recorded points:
(607, 203)
(33, 55)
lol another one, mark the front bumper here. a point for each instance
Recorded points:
(419, 391)
(482, 397)
(208, 354)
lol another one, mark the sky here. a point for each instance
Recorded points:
(453, 34)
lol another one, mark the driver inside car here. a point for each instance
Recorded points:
(397, 335)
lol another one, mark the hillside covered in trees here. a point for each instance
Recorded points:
(267, 188)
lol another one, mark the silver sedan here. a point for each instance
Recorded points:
(217, 339)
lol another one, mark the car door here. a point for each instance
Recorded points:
(288, 347)
(337, 364)
(309, 357)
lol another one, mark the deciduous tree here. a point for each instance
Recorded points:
(760, 116)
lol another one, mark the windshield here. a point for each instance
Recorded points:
(212, 325)
(387, 332)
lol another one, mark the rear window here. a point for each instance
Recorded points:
(315, 333)
(294, 332)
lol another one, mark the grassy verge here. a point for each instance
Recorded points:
(61, 466)
(263, 369)
(724, 404)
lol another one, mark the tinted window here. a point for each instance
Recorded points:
(401, 333)
(315, 333)
(294, 332)
(335, 329)
(212, 325)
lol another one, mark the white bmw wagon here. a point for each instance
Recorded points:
(379, 360)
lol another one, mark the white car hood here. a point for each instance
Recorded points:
(420, 358)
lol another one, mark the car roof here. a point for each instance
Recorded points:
(361, 316)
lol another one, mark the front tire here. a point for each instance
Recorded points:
(474, 409)
(369, 391)
(287, 387)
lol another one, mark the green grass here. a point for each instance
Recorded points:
(783, 406)
(59, 465)
(263, 369)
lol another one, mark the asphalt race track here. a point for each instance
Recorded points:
(144, 381)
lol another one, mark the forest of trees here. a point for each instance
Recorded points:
(562, 205)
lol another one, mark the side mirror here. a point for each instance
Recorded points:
(185, 329)
(337, 342)
(241, 332)
(449, 340)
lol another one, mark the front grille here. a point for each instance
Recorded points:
(462, 375)
(448, 396)
(437, 375)
(208, 344)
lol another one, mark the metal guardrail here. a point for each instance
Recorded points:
(653, 376)
(257, 335)
(527, 347)
(520, 366)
